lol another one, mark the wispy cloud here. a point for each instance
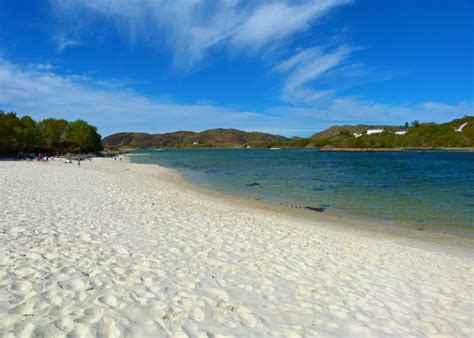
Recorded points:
(276, 20)
(43, 92)
(306, 66)
(63, 42)
(353, 110)
(113, 106)
(442, 108)
(191, 28)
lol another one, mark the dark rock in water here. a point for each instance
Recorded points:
(315, 209)
(318, 189)
(255, 184)
(385, 186)
(468, 195)
(324, 206)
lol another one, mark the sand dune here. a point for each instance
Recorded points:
(115, 249)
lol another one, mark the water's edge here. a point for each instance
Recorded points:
(335, 213)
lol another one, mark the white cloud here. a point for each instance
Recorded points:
(305, 67)
(45, 93)
(442, 108)
(275, 20)
(63, 42)
(191, 28)
(43, 66)
(354, 110)
(113, 106)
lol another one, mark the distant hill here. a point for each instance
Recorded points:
(335, 131)
(418, 135)
(187, 139)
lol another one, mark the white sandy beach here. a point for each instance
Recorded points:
(114, 249)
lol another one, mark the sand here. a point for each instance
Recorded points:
(114, 249)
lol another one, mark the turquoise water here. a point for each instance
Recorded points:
(419, 188)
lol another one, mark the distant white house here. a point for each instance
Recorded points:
(401, 132)
(195, 143)
(356, 135)
(461, 127)
(374, 131)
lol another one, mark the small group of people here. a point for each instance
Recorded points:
(118, 157)
(68, 160)
(44, 158)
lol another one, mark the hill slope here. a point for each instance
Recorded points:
(182, 139)
(336, 130)
(419, 135)
(423, 135)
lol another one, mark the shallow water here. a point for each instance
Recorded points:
(429, 188)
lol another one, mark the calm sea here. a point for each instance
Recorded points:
(418, 188)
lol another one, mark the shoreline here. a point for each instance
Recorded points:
(429, 237)
(112, 248)
(408, 149)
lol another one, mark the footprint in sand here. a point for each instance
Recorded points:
(22, 287)
(198, 315)
(24, 271)
(108, 300)
(77, 284)
(108, 328)
(23, 329)
(94, 312)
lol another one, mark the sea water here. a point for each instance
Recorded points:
(428, 188)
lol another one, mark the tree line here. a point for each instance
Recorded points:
(54, 136)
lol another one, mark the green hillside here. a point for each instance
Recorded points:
(186, 139)
(419, 135)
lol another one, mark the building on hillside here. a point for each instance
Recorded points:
(195, 143)
(374, 131)
(401, 132)
(356, 135)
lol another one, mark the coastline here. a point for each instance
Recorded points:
(408, 149)
(429, 237)
(113, 248)
(467, 149)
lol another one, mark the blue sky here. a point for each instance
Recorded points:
(285, 67)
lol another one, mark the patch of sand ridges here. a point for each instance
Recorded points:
(88, 252)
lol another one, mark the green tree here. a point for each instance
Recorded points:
(8, 123)
(84, 136)
(52, 131)
(27, 135)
